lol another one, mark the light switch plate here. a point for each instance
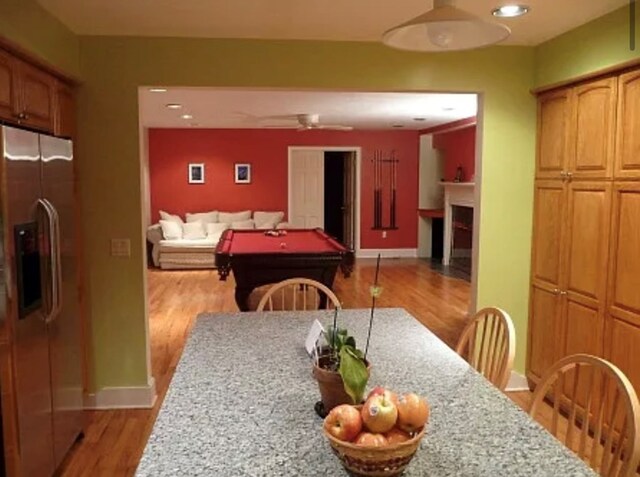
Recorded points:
(120, 247)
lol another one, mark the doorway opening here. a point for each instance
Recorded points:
(324, 184)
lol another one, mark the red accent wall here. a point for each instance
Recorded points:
(171, 150)
(459, 148)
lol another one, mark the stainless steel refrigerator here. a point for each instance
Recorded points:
(41, 302)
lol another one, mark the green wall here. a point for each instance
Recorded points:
(114, 68)
(599, 44)
(29, 25)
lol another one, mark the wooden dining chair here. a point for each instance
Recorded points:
(298, 294)
(488, 343)
(594, 411)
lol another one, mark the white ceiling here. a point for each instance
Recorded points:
(357, 20)
(239, 108)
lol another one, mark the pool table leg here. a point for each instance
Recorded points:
(242, 297)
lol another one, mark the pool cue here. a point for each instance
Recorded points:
(394, 177)
(375, 189)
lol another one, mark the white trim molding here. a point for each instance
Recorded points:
(517, 382)
(387, 253)
(134, 397)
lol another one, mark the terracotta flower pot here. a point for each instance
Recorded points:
(331, 386)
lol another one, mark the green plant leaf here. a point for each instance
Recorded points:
(354, 373)
(350, 341)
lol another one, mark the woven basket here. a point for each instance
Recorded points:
(385, 461)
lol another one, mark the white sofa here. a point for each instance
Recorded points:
(191, 243)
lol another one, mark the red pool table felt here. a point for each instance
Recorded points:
(295, 241)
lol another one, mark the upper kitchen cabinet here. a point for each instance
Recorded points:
(554, 121)
(8, 95)
(36, 93)
(627, 164)
(593, 130)
(65, 114)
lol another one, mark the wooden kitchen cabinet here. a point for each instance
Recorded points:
(554, 122)
(623, 304)
(627, 163)
(592, 136)
(65, 114)
(8, 106)
(36, 92)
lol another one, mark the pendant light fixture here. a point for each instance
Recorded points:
(445, 28)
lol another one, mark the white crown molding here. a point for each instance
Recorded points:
(134, 397)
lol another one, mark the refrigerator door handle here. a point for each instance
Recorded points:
(52, 240)
(57, 271)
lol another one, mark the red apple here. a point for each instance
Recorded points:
(395, 436)
(379, 390)
(343, 422)
(379, 413)
(367, 439)
(413, 412)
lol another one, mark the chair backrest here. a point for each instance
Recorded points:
(298, 294)
(595, 412)
(488, 343)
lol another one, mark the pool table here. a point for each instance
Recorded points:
(257, 258)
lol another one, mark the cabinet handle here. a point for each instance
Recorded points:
(563, 293)
(563, 174)
(569, 175)
(556, 291)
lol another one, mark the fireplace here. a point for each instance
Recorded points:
(459, 205)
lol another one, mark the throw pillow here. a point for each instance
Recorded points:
(231, 217)
(204, 217)
(243, 225)
(170, 217)
(214, 230)
(171, 230)
(193, 231)
(263, 219)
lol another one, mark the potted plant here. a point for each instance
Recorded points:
(341, 369)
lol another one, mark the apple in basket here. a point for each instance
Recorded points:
(380, 390)
(379, 413)
(344, 422)
(396, 436)
(413, 412)
(368, 439)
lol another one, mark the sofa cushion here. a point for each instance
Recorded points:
(243, 225)
(215, 230)
(230, 217)
(193, 230)
(171, 230)
(267, 220)
(185, 245)
(170, 217)
(204, 217)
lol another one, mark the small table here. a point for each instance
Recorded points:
(258, 259)
(241, 404)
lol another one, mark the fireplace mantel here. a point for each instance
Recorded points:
(455, 194)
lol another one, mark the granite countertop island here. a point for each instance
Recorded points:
(241, 404)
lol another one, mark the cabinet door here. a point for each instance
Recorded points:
(593, 124)
(65, 114)
(37, 90)
(554, 121)
(627, 163)
(623, 303)
(586, 253)
(7, 87)
(544, 306)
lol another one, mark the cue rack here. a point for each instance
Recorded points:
(385, 182)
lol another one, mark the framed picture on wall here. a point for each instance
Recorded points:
(243, 174)
(196, 173)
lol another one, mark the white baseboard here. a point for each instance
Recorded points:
(517, 382)
(134, 397)
(387, 253)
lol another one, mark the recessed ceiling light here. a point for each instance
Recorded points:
(194, 125)
(419, 119)
(510, 11)
(158, 90)
(187, 116)
(448, 108)
(397, 126)
(174, 106)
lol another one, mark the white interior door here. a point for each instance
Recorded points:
(306, 188)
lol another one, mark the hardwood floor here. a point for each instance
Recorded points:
(115, 440)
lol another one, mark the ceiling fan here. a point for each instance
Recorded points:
(305, 122)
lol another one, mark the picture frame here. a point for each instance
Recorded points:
(242, 173)
(196, 173)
